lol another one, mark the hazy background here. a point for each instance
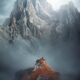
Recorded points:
(64, 57)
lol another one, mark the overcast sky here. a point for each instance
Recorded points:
(5, 9)
(7, 5)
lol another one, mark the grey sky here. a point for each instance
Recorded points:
(5, 9)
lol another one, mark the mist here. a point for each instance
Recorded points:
(61, 53)
(63, 58)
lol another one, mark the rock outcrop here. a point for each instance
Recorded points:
(41, 71)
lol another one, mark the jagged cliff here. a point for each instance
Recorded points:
(35, 21)
(27, 13)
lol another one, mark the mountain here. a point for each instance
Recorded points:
(41, 31)
(66, 25)
(37, 22)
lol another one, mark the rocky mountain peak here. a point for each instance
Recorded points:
(68, 13)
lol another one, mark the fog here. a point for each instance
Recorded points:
(63, 56)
